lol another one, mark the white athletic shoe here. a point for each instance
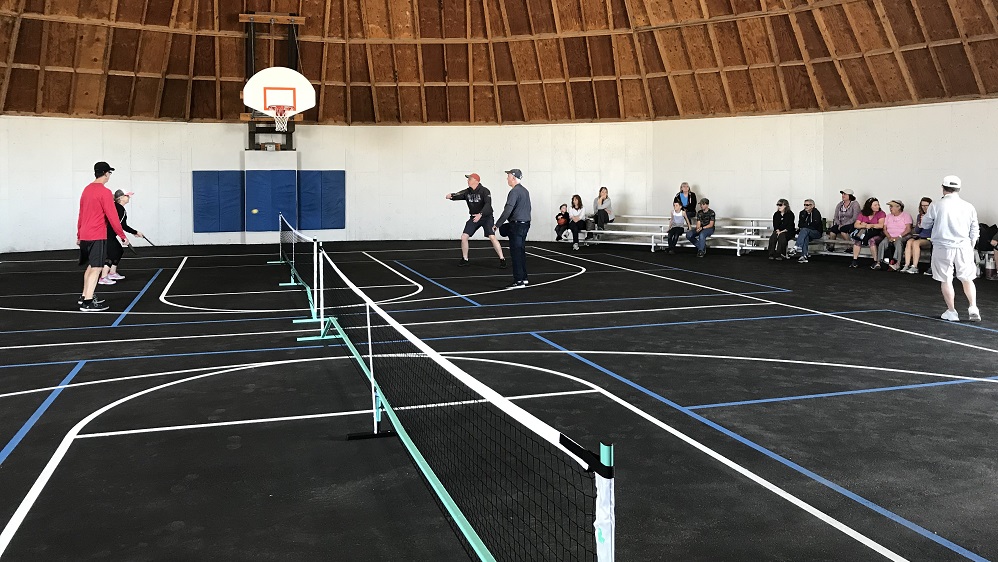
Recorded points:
(575, 246)
(106, 281)
(115, 276)
(975, 314)
(951, 315)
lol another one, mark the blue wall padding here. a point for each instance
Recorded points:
(218, 201)
(271, 192)
(334, 196)
(322, 199)
(230, 201)
(310, 200)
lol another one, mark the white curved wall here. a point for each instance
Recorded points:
(397, 176)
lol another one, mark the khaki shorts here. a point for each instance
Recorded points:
(947, 260)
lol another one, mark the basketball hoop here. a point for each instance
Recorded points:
(280, 117)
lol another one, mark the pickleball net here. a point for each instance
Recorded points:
(301, 253)
(514, 487)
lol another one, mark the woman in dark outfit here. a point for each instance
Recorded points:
(114, 250)
(783, 230)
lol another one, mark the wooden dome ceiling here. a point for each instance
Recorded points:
(508, 61)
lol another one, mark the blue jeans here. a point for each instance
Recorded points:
(804, 238)
(517, 249)
(699, 239)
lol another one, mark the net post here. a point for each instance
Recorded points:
(605, 524)
(322, 291)
(370, 366)
(315, 277)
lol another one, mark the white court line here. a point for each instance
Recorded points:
(732, 358)
(272, 291)
(822, 516)
(143, 257)
(419, 287)
(494, 291)
(317, 416)
(71, 294)
(793, 306)
(157, 338)
(494, 318)
(203, 310)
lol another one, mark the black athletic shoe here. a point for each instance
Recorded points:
(463, 263)
(502, 263)
(92, 306)
(517, 285)
(98, 300)
(854, 264)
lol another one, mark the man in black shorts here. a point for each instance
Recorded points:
(479, 202)
(96, 211)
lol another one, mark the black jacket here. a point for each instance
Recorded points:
(810, 220)
(479, 200)
(691, 208)
(784, 221)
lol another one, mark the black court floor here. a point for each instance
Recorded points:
(759, 410)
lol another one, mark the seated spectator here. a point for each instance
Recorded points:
(869, 231)
(678, 225)
(919, 239)
(688, 200)
(897, 231)
(994, 244)
(809, 228)
(703, 227)
(844, 219)
(561, 222)
(576, 220)
(783, 230)
(602, 209)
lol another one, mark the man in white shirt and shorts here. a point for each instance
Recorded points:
(954, 234)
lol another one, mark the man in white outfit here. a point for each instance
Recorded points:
(954, 234)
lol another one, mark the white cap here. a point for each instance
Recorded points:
(951, 182)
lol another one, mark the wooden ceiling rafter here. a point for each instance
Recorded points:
(218, 62)
(516, 71)
(42, 60)
(992, 10)
(365, 24)
(640, 59)
(107, 60)
(395, 64)
(190, 62)
(320, 113)
(955, 10)
(774, 49)
(160, 90)
(932, 52)
(806, 57)
(864, 53)
(564, 60)
(492, 61)
(622, 111)
(896, 51)
(348, 90)
(716, 47)
(537, 59)
(833, 49)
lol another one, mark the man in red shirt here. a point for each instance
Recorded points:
(96, 212)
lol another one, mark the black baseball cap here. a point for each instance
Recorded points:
(102, 168)
(516, 173)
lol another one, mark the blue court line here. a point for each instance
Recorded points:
(782, 460)
(441, 338)
(617, 299)
(194, 354)
(448, 289)
(148, 324)
(14, 441)
(834, 394)
(136, 299)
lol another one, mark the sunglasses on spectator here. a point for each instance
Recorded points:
(779, 204)
(809, 204)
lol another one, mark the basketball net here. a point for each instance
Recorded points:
(281, 118)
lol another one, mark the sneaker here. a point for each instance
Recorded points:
(829, 247)
(575, 246)
(951, 315)
(517, 285)
(701, 254)
(780, 258)
(792, 251)
(502, 263)
(894, 266)
(525, 282)
(772, 257)
(106, 281)
(802, 259)
(975, 314)
(875, 266)
(92, 306)
(463, 263)
(115, 276)
(854, 263)
(913, 269)
(928, 271)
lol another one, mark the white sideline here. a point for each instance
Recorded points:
(157, 338)
(419, 288)
(793, 306)
(822, 516)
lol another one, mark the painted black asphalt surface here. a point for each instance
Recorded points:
(760, 410)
